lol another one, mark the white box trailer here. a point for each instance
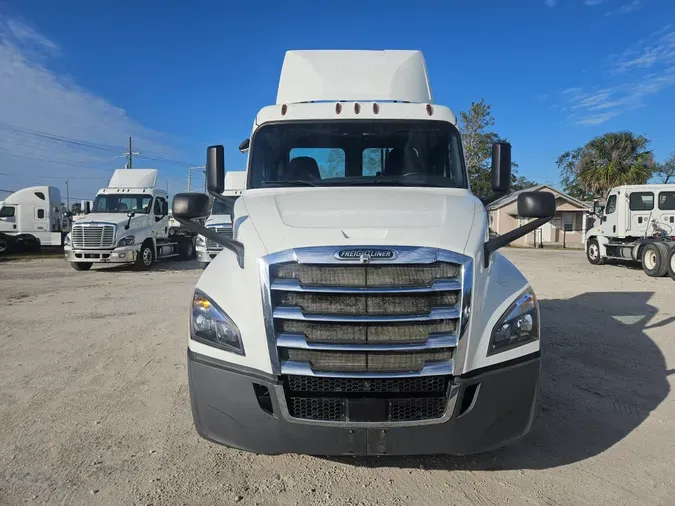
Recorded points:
(33, 217)
(361, 309)
(220, 218)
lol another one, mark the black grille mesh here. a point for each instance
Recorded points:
(421, 408)
(370, 275)
(334, 361)
(315, 408)
(363, 304)
(323, 332)
(421, 385)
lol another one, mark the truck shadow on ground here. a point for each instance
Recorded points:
(163, 266)
(601, 377)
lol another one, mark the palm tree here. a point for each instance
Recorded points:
(614, 159)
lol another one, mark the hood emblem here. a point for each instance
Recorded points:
(365, 255)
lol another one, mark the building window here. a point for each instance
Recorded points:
(568, 222)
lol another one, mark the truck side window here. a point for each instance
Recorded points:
(611, 204)
(41, 214)
(641, 201)
(158, 206)
(667, 201)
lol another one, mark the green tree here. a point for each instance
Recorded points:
(606, 161)
(665, 172)
(477, 139)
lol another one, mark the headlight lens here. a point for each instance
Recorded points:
(210, 325)
(126, 241)
(201, 241)
(66, 241)
(518, 326)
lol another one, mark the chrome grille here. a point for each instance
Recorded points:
(93, 236)
(222, 230)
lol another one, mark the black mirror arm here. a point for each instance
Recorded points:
(498, 242)
(234, 246)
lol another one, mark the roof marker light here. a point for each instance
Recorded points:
(430, 110)
(376, 108)
(284, 108)
(357, 108)
(338, 108)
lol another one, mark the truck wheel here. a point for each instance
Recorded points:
(81, 266)
(671, 263)
(185, 249)
(655, 259)
(593, 252)
(146, 257)
(204, 265)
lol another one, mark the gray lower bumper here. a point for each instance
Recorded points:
(206, 256)
(116, 256)
(227, 410)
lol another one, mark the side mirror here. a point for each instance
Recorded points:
(539, 205)
(190, 205)
(536, 205)
(215, 169)
(245, 144)
(501, 167)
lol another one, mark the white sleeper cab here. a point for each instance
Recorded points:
(360, 307)
(129, 224)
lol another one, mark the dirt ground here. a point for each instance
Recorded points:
(94, 405)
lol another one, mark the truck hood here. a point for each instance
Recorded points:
(297, 217)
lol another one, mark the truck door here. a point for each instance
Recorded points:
(609, 217)
(161, 225)
(641, 211)
(8, 219)
(667, 208)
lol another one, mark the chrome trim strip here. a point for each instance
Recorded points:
(465, 315)
(304, 369)
(294, 285)
(266, 297)
(298, 341)
(296, 313)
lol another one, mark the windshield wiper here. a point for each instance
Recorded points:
(288, 182)
(387, 182)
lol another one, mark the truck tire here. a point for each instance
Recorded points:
(146, 257)
(81, 266)
(655, 259)
(671, 263)
(185, 248)
(593, 252)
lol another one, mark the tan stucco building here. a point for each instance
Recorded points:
(566, 229)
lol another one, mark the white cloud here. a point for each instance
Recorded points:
(551, 3)
(628, 82)
(592, 3)
(35, 101)
(626, 8)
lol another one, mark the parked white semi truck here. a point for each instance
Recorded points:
(636, 223)
(220, 218)
(33, 217)
(361, 307)
(129, 223)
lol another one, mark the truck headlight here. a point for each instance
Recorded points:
(126, 241)
(66, 240)
(210, 325)
(201, 241)
(518, 326)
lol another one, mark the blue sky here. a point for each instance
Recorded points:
(77, 78)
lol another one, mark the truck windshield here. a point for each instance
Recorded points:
(357, 153)
(122, 203)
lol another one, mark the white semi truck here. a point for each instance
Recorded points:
(220, 218)
(31, 218)
(129, 224)
(361, 307)
(636, 223)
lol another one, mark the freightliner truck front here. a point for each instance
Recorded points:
(360, 306)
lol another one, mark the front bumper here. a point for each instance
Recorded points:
(206, 256)
(124, 255)
(226, 410)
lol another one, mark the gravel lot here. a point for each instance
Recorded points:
(94, 403)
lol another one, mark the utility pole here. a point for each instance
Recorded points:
(67, 196)
(129, 154)
(190, 169)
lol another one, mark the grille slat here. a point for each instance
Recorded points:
(225, 231)
(93, 236)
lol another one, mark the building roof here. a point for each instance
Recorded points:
(511, 197)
